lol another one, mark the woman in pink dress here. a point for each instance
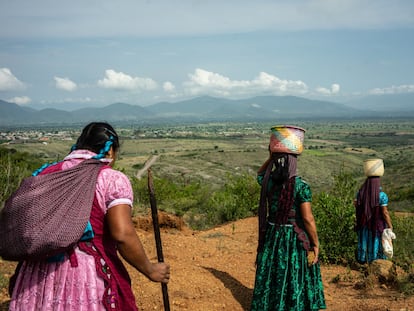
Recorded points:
(92, 276)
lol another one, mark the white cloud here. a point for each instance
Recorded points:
(206, 82)
(20, 100)
(335, 88)
(121, 81)
(278, 86)
(65, 84)
(8, 82)
(323, 91)
(204, 78)
(393, 90)
(168, 86)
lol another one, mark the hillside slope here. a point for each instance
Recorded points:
(214, 270)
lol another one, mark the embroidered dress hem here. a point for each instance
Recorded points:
(284, 281)
(57, 286)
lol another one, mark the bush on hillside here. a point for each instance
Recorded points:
(198, 204)
(237, 200)
(14, 166)
(335, 223)
(177, 198)
(403, 245)
(335, 218)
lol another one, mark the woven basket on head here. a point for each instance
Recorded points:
(374, 167)
(287, 139)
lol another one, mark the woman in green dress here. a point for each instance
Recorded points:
(288, 274)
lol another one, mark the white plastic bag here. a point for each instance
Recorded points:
(387, 237)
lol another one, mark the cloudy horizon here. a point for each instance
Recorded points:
(96, 53)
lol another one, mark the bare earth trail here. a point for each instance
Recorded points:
(214, 270)
(147, 165)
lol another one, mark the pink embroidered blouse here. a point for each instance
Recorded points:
(57, 286)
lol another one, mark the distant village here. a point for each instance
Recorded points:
(23, 136)
(35, 136)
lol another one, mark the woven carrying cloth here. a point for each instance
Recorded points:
(48, 213)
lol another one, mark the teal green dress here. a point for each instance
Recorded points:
(284, 281)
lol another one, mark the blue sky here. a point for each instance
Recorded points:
(71, 54)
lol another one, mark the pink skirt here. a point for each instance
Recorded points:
(58, 286)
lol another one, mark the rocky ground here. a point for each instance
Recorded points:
(214, 270)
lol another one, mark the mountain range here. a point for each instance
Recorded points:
(210, 109)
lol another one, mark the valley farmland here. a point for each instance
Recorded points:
(205, 186)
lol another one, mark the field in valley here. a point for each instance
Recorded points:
(209, 152)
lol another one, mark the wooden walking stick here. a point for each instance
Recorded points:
(157, 234)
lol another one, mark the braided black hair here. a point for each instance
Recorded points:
(98, 137)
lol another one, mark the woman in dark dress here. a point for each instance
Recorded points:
(287, 276)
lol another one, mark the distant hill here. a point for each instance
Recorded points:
(208, 108)
(114, 112)
(261, 107)
(394, 103)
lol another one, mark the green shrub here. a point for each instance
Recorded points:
(174, 197)
(14, 166)
(335, 223)
(335, 218)
(403, 245)
(238, 199)
(201, 207)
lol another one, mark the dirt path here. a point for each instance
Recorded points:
(214, 270)
(147, 165)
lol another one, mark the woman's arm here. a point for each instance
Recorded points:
(310, 227)
(386, 216)
(130, 247)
